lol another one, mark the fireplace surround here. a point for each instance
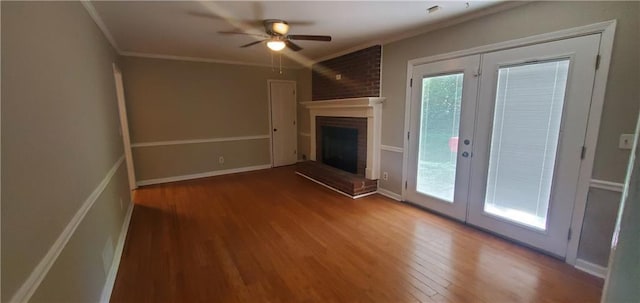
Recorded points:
(366, 108)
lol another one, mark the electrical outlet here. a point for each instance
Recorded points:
(221, 160)
(626, 141)
(385, 176)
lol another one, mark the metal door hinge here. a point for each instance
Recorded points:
(411, 82)
(408, 135)
(597, 61)
(569, 235)
(405, 185)
(583, 152)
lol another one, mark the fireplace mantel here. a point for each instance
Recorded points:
(367, 107)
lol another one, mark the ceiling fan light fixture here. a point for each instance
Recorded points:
(276, 45)
(281, 28)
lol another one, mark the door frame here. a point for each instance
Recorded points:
(124, 126)
(607, 31)
(295, 89)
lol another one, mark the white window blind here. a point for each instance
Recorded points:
(526, 128)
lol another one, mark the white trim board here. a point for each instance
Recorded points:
(590, 268)
(107, 289)
(607, 31)
(392, 148)
(389, 194)
(196, 141)
(203, 175)
(31, 284)
(91, 10)
(607, 185)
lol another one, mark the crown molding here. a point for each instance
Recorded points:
(91, 10)
(198, 59)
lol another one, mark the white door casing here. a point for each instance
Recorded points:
(124, 126)
(283, 116)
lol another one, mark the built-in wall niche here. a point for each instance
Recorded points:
(341, 142)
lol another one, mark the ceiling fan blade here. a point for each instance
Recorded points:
(242, 33)
(300, 23)
(309, 37)
(294, 47)
(252, 43)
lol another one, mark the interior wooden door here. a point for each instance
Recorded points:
(284, 144)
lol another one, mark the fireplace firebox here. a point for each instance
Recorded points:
(341, 142)
(340, 148)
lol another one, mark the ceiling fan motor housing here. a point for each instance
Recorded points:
(276, 27)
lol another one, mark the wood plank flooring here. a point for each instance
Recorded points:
(273, 236)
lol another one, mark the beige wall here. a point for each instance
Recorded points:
(59, 140)
(597, 228)
(620, 107)
(170, 100)
(187, 159)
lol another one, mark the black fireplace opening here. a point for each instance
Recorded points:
(340, 148)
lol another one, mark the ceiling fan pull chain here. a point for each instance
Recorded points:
(280, 56)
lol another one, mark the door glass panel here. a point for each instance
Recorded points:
(524, 141)
(438, 139)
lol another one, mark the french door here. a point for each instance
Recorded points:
(514, 154)
(443, 104)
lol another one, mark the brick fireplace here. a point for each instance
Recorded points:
(353, 128)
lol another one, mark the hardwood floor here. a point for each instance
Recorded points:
(273, 236)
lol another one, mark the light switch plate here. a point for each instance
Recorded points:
(626, 141)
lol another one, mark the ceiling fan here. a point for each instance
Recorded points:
(277, 37)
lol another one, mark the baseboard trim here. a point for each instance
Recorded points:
(390, 194)
(115, 264)
(31, 284)
(202, 175)
(333, 189)
(590, 268)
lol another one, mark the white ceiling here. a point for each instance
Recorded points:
(183, 29)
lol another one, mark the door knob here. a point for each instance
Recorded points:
(275, 129)
(465, 154)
